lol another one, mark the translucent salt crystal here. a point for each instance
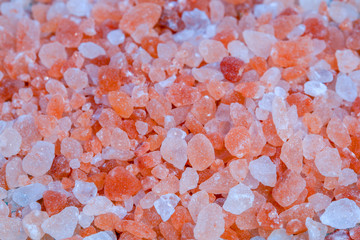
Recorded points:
(316, 230)
(10, 142)
(79, 8)
(264, 170)
(189, 180)
(212, 51)
(63, 224)
(200, 152)
(259, 43)
(198, 201)
(238, 49)
(195, 19)
(310, 5)
(149, 199)
(174, 150)
(141, 127)
(319, 201)
(75, 78)
(98, 205)
(39, 160)
(346, 88)
(296, 32)
(341, 214)
(272, 7)
(257, 238)
(320, 75)
(99, 236)
(314, 88)
(28, 194)
(261, 114)
(12, 229)
(279, 234)
(3, 193)
(84, 191)
(52, 52)
(210, 223)
(328, 162)
(347, 61)
(165, 205)
(347, 177)
(119, 139)
(280, 92)
(266, 102)
(4, 209)
(128, 203)
(280, 118)
(85, 220)
(32, 224)
(311, 145)
(71, 148)
(239, 199)
(340, 11)
(116, 37)
(74, 163)
(58, 9)
(91, 50)
(119, 211)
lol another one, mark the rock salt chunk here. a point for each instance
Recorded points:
(75, 78)
(189, 180)
(79, 8)
(28, 194)
(10, 142)
(314, 88)
(319, 201)
(119, 139)
(13, 171)
(32, 224)
(116, 37)
(338, 133)
(264, 170)
(281, 118)
(346, 88)
(200, 152)
(98, 205)
(238, 142)
(63, 224)
(316, 230)
(198, 201)
(219, 183)
(39, 160)
(91, 50)
(279, 234)
(11, 229)
(84, 191)
(174, 150)
(347, 61)
(99, 236)
(165, 205)
(328, 162)
(52, 52)
(85, 220)
(291, 153)
(238, 49)
(340, 11)
(71, 148)
(311, 145)
(347, 177)
(341, 214)
(210, 223)
(239, 199)
(195, 19)
(259, 43)
(212, 51)
(320, 75)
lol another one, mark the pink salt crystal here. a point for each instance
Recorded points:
(280, 118)
(311, 145)
(210, 223)
(39, 160)
(12, 229)
(189, 180)
(259, 43)
(200, 152)
(257, 138)
(204, 109)
(78, 8)
(13, 171)
(238, 142)
(291, 153)
(119, 139)
(4, 209)
(10, 142)
(167, 185)
(198, 201)
(141, 127)
(212, 50)
(52, 52)
(76, 79)
(328, 162)
(56, 87)
(148, 200)
(239, 169)
(219, 183)
(160, 171)
(319, 201)
(71, 148)
(91, 50)
(338, 133)
(28, 35)
(239, 199)
(174, 148)
(347, 177)
(316, 230)
(32, 224)
(263, 170)
(347, 61)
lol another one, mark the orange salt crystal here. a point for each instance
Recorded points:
(284, 24)
(68, 33)
(180, 217)
(226, 36)
(292, 153)
(121, 103)
(200, 152)
(232, 68)
(168, 231)
(248, 89)
(268, 217)
(54, 202)
(110, 79)
(237, 141)
(180, 94)
(120, 182)
(204, 109)
(313, 122)
(302, 102)
(138, 229)
(338, 133)
(149, 43)
(55, 107)
(107, 221)
(316, 28)
(291, 74)
(259, 64)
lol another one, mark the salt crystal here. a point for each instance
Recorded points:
(4, 209)
(314, 88)
(346, 88)
(97, 206)
(280, 118)
(3, 193)
(312, 144)
(128, 203)
(271, 7)
(238, 49)
(257, 238)
(12, 229)
(319, 201)
(85, 220)
(320, 75)
(266, 102)
(10, 142)
(78, 8)
(116, 37)
(296, 32)
(149, 199)
(200, 152)
(210, 223)
(347, 177)
(99, 236)
(91, 50)
(340, 11)
(195, 19)
(165, 205)
(71, 148)
(347, 61)
(264, 170)
(39, 160)
(63, 224)
(328, 162)
(259, 43)
(32, 224)
(239, 199)
(341, 214)
(189, 180)
(84, 191)
(119, 211)
(74, 163)
(212, 51)
(174, 150)
(75, 78)
(58, 9)
(316, 230)
(52, 52)
(198, 201)
(28, 194)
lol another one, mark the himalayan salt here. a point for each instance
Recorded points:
(91, 50)
(116, 37)
(13, 171)
(238, 49)
(198, 201)
(319, 201)
(347, 61)
(347, 177)
(85, 220)
(148, 200)
(328, 162)
(315, 89)
(264, 170)
(32, 224)
(27, 35)
(12, 229)
(119, 139)
(232, 68)
(23, 196)
(320, 75)
(338, 133)
(346, 88)
(340, 11)
(99, 236)
(120, 182)
(268, 217)
(84, 191)
(165, 205)
(239, 169)
(341, 214)
(280, 118)
(168, 185)
(278, 234)
(75, 78)
(239, 199)
(219, 183)
(39, 160)
(68, 33)
(316, 230)
(291, 153)
(212, 50)
(210, 223)
(97, 206)
(50, 53)
(237, 141)
(121, 103)
(181, 94)
(311, 145)
(78, 8)
(189, 180)
(259, 43)
(200, 152)
(54, 202)
(63, 224)
(71, 148)
(174, 148)
(10, 142)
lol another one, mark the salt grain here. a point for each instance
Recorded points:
(91, 50)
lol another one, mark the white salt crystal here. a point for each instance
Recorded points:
(91, 50)
(210, 223)
(280, 92)
(261, 114)
(347, 61)
(75, 78)
(85, 220)
(316, 230)
(273, 7)
(97, 206)
(310, 5)
(74, 163)
(198, 201)
(189, 180)
(174, 148)
(10, 142)
(78, 8)
(250, 181)
(165, 205)
(259, 43)
(266, 102)
(128, 203)
(238, 49)
(1, 75)
(339, 11)
(50, 53)
(312, 144)
(296, 32)
(3, 193)
(99, 236)
(328, 162)
(281, 118)
(341, 214)
(239, 199)
(257, 238)
(319, 201)
(84, 191)
(264, 170)
(63, 224)
(56, 10)
(320, 75)
(116, 37)
(11, 229)
(195, 19)
(279, 234)
(314, 88)
(119, 211)
(347, 177)
(28, 194)
(346, 88)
